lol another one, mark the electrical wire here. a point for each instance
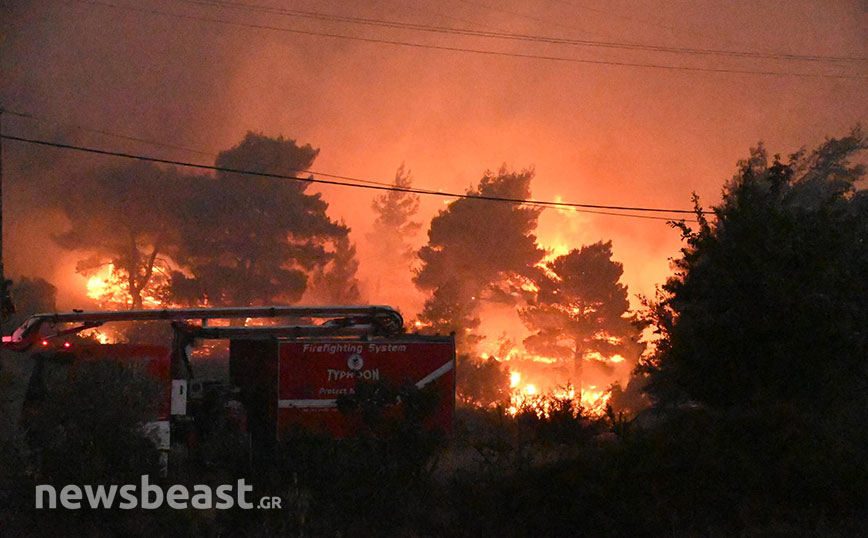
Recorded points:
(523, 37)
(171, 146)
(485, 52)
(308, 171)
(393, 188)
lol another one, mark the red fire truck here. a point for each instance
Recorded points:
(287, 375)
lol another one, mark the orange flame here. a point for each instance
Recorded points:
(109, 288)
(536, 381)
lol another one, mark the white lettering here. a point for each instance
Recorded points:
(242, 490)
(98, 496)
(70, 497)
(176, 497)
(340, 375)
(130, 500)
(148, 496)
(224, 493)
(332, 349)
(147, 489)
(386, 348)
(202, 498)
(52, 495)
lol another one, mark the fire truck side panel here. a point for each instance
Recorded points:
(313, 374)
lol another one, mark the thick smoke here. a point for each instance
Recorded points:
(390, 244)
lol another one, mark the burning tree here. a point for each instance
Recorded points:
(251, 239)
(476, 250)
(393, 225)
(125, 217)
(581, 312)
(228, 239)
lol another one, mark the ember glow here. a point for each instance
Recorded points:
(105, 287)
(514, 378)
(537, 381)
(599, 135)
(527, 398)
(103, 336)
(109, 288)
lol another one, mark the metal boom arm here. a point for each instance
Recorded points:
(385, 318)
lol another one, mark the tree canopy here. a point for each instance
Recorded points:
(336, 282)
(394, 223)
(31, 296)
(232, 238)
(581, 311)
(252, 239)
(769, 299)
(476, 251)
(125, 216)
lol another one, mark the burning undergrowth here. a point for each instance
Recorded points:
(518, 381)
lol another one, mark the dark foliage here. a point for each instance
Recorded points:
(31, 296)
(252, 239)
(770, 299)
(477, 251)
(127, 216)
(699, 473)
(482, 382)
(232, 238)
(759, 429)
(390, 241)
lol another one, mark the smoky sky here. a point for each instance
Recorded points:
(593, 133)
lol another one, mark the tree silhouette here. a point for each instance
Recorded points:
(336, 283)
(394, 224)
(231, 238)
(769, 300)
(251, 239)
(124, 216)
(31, 296)
(476, 251)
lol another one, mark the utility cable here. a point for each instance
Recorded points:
(485, 52)
(394, 188)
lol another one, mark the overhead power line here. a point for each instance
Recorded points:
(174, 146)
(617, 15)
(105, 132)
(521, 37)
(440, 15)
(540, 203)
(485, 52)
(307, 171)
